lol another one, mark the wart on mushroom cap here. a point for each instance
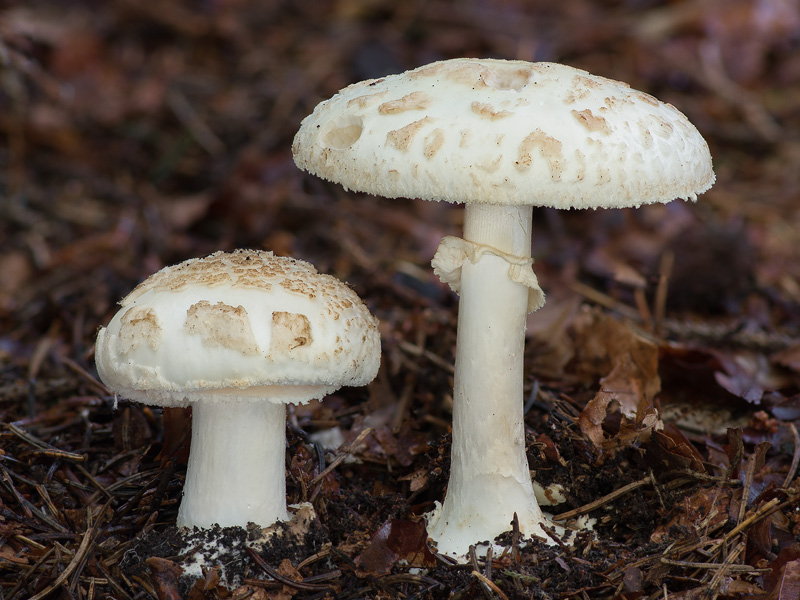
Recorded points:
(500, 137)
(236, 335)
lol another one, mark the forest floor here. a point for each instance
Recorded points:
(662, 376)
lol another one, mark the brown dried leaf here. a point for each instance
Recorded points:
(417, 480)
(165, 574)
(702, 512)
(632, 382)
(396, 540)
(783, 582)
(209, 586)
(671, 449)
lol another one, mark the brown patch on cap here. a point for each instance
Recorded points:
(591, 122)
(433, 142)
(582, 87)
(241, 268)
(289, 331)
(139, 325)
(487, 111)
(221, 326)
(300, 287)
(412, 101)
(647, 98)
(427, 71)
(402, 138)
(549, 148)
(367, 100)
(466, 73)
(506, 77)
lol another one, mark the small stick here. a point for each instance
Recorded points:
(748, 482)
(483, 579)
(712, 566)
(43, 447)
(86, 375)
(762, 512)
(298, 585)
(515, 534)
(76, 559)
(715, 580)
(351, 448)
(644, 309)
(604, 500)
(415, 350)
(795, 458)
(664, 272)
(604, 300)
(473, 559)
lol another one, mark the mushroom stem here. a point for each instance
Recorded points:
(489, 475)
(236, 471)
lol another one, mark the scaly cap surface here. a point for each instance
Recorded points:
(505, 132)
(231, 325)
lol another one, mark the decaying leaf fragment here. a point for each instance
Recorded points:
(630, 383)
(396, 540)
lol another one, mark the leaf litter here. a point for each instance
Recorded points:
(664, 397)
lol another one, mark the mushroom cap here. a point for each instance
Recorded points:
(508, 133)
(246, 324)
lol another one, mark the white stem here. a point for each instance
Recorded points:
(489, 476)
(236, 471)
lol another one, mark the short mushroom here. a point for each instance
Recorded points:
(237, 336)
(500, 137)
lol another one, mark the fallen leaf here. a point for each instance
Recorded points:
(783, 583)
(396, 540)
(165, 574)
(632, 381)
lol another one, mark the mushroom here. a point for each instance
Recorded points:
(237, 336)
(500, 137)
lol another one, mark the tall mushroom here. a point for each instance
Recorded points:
(237, 336)
(500, 137)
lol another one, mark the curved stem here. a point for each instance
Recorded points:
(489, 476)
(236, 471)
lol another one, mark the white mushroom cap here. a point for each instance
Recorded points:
(238, 325)
(505, 132)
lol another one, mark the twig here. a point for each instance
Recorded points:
(515, 535)
(485, 580)
(473, 559)
(748, 482)
(759, 514)
(86, 375)
(605, 300)
(586, 508)
(724, 568)
(350, 449)
(664, 272)
(795, 458)
(298, 585)
(44, 447)
(325, 551)
(415, 350)
(76, 559)
(711, 566)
